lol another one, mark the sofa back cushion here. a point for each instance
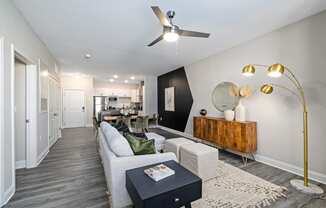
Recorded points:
(117, 143)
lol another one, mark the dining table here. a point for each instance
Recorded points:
(115, 118)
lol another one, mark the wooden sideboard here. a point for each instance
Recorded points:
(233, 135)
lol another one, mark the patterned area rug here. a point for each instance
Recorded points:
(235, 188)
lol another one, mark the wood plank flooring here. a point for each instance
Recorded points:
(295, 199)
(72, 176)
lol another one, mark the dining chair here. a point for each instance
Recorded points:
(155, 119)
(139, 124)
(145, 123)
(127, 120)
(119, 119)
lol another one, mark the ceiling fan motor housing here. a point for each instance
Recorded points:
(172, 29)
(170, 14)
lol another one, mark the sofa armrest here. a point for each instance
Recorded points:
(136, 161)
(119, 166)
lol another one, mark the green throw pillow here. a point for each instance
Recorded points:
(141, 146)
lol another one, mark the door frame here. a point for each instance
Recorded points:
(31, 101)
(1, 121)
(63, 106)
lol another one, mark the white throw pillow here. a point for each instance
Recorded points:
(117, 143)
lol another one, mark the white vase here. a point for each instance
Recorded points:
(240, 112)
(229, 115)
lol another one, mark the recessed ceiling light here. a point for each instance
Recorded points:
(115, 76)
(126, 81)
(88, 56)
(111, 80)
(45, 73)
(132, 78)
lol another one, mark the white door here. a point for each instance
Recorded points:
(57, 111)
(51, 112)
(20, 114)
(73, 108)
(54, 111)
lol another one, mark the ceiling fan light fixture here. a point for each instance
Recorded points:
(171, 36)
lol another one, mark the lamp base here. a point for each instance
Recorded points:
(310, 189)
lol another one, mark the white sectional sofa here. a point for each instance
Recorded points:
(117, 157)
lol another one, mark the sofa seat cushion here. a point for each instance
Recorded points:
(117, 143)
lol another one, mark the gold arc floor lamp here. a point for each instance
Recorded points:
(275, 71)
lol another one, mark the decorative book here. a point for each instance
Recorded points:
(159, 172)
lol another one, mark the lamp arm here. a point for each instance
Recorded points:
(294, 82)
(260, 65)
(289, 90)
(298, 85)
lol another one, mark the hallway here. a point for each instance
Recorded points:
(70, 176)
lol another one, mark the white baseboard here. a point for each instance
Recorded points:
(7, 195)
(313, 175)
(41, 157)
(89, 125)
(20, 164)
(54, 141)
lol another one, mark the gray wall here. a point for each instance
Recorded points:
(15, 31)
(301, 47)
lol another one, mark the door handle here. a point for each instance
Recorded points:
(83, 108)
(27, 120)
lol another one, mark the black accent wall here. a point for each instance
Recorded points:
(183, 99)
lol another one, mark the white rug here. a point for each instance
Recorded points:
(235, 188)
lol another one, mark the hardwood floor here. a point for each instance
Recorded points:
(295, 199)
(72, 176)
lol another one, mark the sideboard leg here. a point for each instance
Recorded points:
(244, 160)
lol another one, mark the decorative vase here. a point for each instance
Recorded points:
(203, 112)
(229, 115)
(240, 112)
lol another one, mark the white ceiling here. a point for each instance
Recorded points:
(116, 32)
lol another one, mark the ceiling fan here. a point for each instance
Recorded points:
(171, 32)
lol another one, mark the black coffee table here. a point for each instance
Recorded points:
(172, 192)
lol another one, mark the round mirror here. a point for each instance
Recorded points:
(225, 96)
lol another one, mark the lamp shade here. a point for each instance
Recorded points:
(276, 70)
(248, 70)
(267, 89)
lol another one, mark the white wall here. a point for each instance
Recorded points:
(150, 95)
(20, 112)
(301, 47)
(85, 84)
(15, 31)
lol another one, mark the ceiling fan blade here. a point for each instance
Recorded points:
(156, 41)
(161, 16)
(193, 34)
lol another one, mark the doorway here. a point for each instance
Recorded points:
(20, 114)
(73, 108)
